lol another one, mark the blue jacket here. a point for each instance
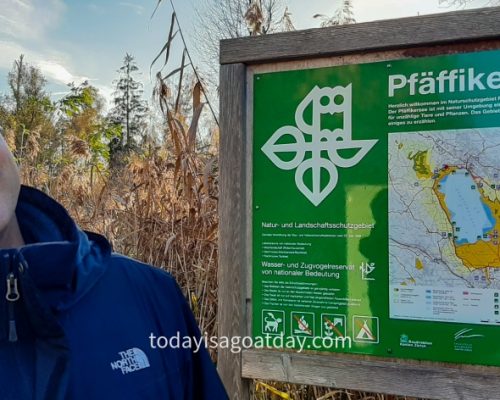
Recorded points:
(81, 326)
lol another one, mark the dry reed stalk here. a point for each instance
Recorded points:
(151, 214)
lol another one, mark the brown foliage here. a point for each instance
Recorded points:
(160, 208)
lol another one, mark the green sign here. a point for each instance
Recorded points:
(376, 208)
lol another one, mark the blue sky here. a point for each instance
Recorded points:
(73, 40)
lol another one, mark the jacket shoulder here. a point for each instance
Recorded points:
(140, 282)
(164, 305)
(155, 291)
(138, 271)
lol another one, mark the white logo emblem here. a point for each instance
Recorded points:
(131, 360)
(466, 334)
(312, 139)
(367, 269)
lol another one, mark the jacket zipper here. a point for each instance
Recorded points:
(12, 296)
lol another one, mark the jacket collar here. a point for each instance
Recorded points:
(63, 261)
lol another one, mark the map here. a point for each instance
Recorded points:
(444, 224)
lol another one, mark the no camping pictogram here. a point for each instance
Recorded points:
(365, 329)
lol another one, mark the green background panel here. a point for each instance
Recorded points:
(361, 196)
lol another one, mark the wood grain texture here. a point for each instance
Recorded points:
(428, 380)
(232, 228)
(372, 57)
(459, 26)
(249, 199)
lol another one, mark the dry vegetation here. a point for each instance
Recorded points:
(161, 207)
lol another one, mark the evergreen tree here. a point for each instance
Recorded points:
(130, 109)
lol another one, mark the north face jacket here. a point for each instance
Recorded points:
(77, 319)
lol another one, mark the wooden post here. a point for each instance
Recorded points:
(231, 315)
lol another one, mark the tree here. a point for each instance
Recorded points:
(83, 125)
(342, 16)
(27, 109)
(286, 22)
(229, 19)
(130, 109)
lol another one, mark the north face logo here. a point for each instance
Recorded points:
(131, 360)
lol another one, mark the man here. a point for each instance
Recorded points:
(77, 318)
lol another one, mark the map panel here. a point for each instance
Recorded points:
(444, 224)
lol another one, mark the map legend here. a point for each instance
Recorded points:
(476, 306)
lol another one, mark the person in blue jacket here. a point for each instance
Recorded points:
(77, 318)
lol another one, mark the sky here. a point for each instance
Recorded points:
(77, 40)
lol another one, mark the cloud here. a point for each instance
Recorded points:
(59, 73)
(24, 28)
(106, 92)
(10, 51)
(370, 10)
(29, 19)
(366, 10)
(139, 10)
(52, 66)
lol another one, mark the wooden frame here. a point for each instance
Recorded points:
(461, 31)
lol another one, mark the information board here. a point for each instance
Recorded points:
(376, 208)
